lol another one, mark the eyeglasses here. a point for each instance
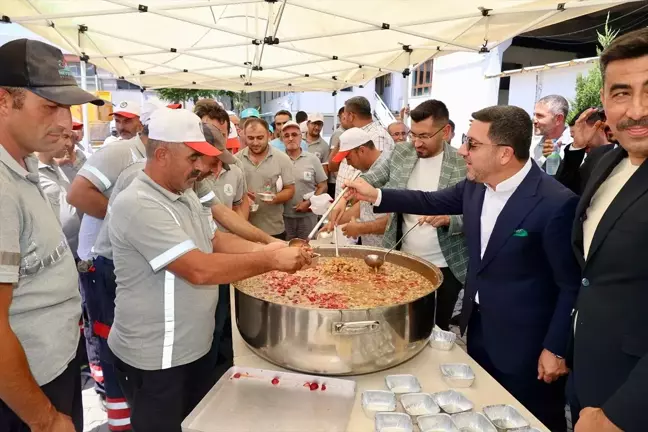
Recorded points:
(291, 135)
(471, 143)
(424, 137)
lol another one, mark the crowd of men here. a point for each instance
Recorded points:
(139, 241)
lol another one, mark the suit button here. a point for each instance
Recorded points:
(585, 282)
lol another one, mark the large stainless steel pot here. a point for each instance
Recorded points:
(340, 342)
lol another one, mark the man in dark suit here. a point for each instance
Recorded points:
(581, 156)
(610, 236)
(523, 278)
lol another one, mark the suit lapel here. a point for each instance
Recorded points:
(521, 203)
(600, 173)
(636, 186)
(472, 224)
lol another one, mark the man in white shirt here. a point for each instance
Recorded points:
(549, 127)
(523, 278)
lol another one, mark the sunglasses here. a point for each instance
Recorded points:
(471, 143)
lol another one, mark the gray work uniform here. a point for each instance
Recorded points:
(269, 217)
(320, 148)
(102, 170)
(161, 321)
(71, 170)
(229, 186)
(308, 173)
(36, 259)
(334, 143)
(56, 185)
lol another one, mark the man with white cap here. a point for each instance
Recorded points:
(360, 152)
(310, 179)
(169, 259)
(40, 307)
(316, 144)
(126, 115)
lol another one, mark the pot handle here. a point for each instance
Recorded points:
(355, 328)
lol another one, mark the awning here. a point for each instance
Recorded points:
(279, 45)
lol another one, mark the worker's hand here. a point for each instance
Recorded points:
(353, 229)
(404, 112)
(303, 207)
(550, 367)
(583, 131)
(291, 259)
(58, 423)
(361, 190)
(594, 420)
(335, 215)
(279, 244)
(251, 195)
(435, 221)
(548, 147)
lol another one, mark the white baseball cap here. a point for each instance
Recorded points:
(316, 117)
(149, 107)
(180, 126)
(128, 109)
(350, 139)
(290, 123)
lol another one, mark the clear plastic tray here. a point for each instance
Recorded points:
(402, 384)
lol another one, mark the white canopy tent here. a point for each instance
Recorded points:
(279, 45)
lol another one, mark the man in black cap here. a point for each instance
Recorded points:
(40, 305)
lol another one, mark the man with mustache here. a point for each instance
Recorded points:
(40, 307)
(169, 259)
(610, 367)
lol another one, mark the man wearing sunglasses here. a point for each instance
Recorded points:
(523, 278)
(427, 162)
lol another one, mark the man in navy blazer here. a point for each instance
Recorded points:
(523, 278)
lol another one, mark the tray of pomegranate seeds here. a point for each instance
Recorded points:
(253, 400)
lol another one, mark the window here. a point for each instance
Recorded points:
(125, 85)
(422, 79)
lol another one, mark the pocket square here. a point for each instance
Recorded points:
(521, 233)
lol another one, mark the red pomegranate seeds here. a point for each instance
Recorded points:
(237, 375)
(275, 381)
(314, 386)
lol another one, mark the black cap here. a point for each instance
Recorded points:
(41, 69)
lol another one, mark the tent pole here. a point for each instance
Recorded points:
(406, 90)
(84, 108)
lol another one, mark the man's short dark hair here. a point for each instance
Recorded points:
(301, 117)
(629, 46)
(211, 109)
(284, 112)
(340, 111)
(359, 106)
(431, 108)
(452, 125)
(369, 144)
(255, 120)
(18, 94)
(510, 126)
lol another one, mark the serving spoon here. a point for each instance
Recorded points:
(376, 261)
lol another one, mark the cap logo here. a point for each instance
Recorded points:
(229, 190)
(123, 104)
(63, 69)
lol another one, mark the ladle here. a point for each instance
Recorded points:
(375, 261)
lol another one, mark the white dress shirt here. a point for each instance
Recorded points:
(494, 201)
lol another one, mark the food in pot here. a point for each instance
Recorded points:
(339, 283)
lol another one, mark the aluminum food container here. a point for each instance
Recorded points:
(505, 417)
(473, 422)
(457, 374)
(452, 402)
(442, 340)
(419, 404)
(374, 401)
(437, 423)
(402, 384)
(340, 341)
(393, 422)
(529, 429)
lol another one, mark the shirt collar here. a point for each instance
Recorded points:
(511, 184)
(149, 181)
(31, 162)
(246, 153)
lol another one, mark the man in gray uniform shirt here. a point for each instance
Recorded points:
(169, 259)
(40, 388)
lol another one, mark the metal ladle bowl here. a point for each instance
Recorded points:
(376, 261)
